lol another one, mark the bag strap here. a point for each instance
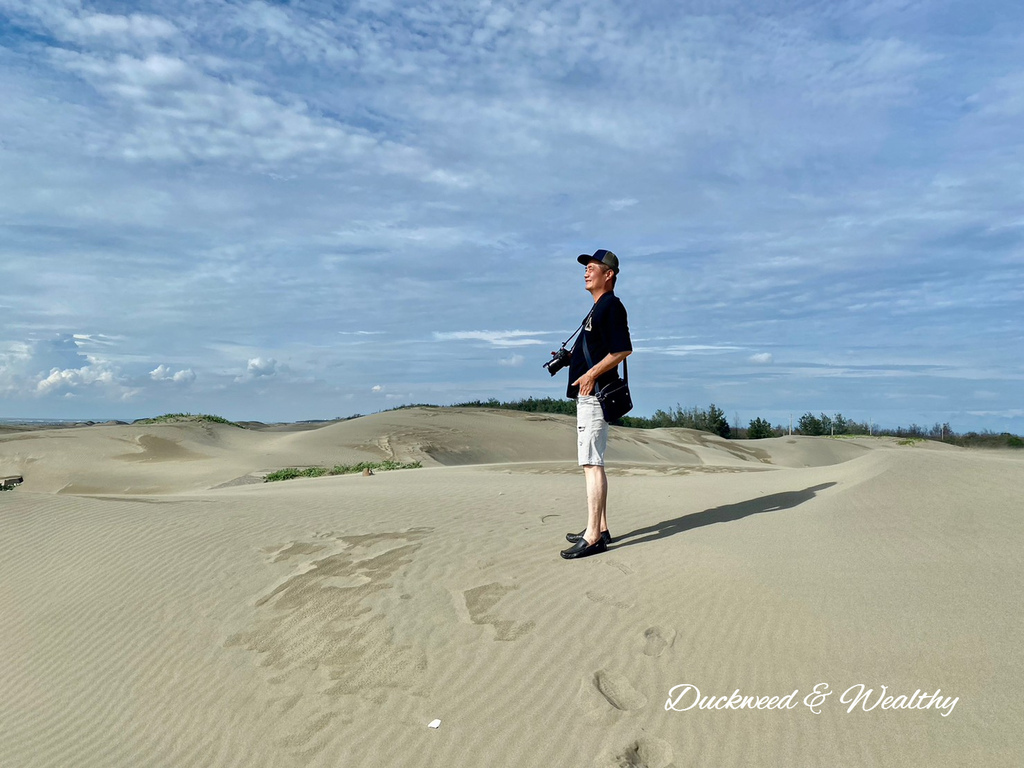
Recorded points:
(590, 364)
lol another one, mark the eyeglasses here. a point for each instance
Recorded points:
(591, 267)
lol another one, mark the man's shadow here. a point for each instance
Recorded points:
(724, 514)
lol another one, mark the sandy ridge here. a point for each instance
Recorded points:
(188, 457)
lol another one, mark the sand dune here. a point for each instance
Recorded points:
(187, 457)
(151, 618)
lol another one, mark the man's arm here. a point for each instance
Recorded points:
(587, 380)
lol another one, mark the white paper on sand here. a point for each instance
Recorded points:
(434, 724)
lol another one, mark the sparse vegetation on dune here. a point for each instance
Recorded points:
(173, 418)
(339, 469)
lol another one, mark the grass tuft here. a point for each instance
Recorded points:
(339, 469)
(172, 418)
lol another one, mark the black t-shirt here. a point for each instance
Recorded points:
(606, 332)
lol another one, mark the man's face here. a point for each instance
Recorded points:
(597, 275)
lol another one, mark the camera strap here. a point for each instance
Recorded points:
(585, 319)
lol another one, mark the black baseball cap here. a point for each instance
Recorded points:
(607, 258)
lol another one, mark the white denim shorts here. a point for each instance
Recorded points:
(591, 431)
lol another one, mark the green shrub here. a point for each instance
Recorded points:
(291, 473)
(339, 469)
(171, 418)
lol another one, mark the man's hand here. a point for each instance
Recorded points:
(586, 384)
(588, 380)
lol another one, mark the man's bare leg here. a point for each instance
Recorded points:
(597, 502)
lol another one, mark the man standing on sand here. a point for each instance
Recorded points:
(602, 345)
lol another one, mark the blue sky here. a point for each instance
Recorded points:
(307, 210)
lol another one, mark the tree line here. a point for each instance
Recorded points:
(712, 419)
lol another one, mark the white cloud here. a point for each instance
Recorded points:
(164, 373)
(495, 338)
(1004, 97)
(72, 378)
(175, 111)
(1009, 413)
(762, 358)
(623, 204)
(67, 20)
(137, 26)
(44, 368)
(515, 361)
(682, 350)
(259, 368)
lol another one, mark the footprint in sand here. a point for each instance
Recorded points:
(645, 753)
(618, 691)
(657, 639)
(479, 603)
(597, 597)
(621, 566)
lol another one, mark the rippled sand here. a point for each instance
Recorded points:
(162, 607)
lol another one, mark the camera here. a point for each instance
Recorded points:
(558, 361)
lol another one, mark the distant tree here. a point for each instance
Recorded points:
(810, 424)
(840, 424)
(759, 429)
(716, 421)
(530, 405)
(711, 420)
(914, 430)
(857, 428)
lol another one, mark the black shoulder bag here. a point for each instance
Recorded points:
(614, 398)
